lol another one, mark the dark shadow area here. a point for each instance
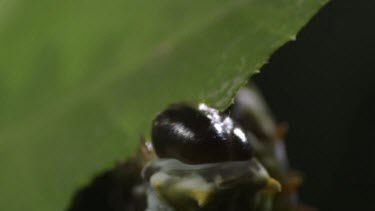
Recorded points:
(323, 85)
(113, 190)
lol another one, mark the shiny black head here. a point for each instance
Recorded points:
(198, 135)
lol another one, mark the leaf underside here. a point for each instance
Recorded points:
(80, 81)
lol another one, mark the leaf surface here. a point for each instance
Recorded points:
(80, 81)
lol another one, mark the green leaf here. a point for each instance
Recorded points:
(80, 81)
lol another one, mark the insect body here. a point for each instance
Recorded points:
(206, 163)
(198, 134)
(201, 159)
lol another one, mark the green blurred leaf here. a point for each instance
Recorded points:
(80, 81)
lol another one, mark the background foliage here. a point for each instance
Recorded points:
(323, 86)
(81, 80)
